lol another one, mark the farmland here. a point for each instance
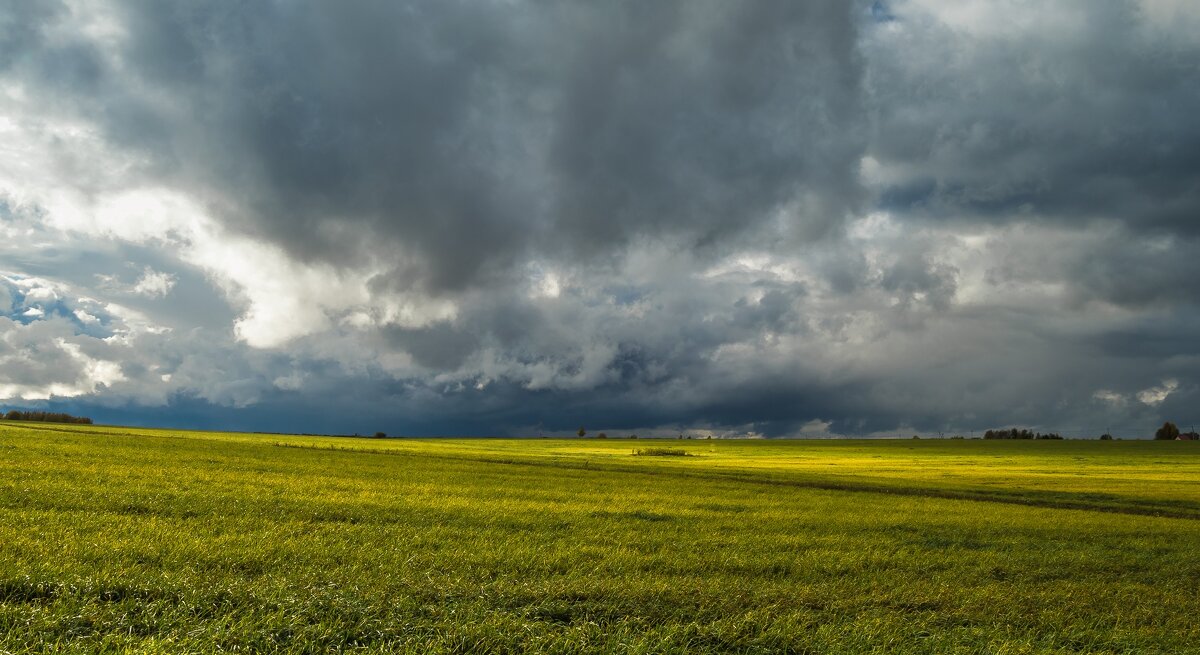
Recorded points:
(138, 540)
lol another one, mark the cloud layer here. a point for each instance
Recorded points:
(767, 218)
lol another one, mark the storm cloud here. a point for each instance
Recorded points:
(769, 218)
(451, 141)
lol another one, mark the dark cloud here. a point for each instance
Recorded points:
(913, 277)
(22, 26)
(1136, 272)
(1086, 114)
(457, 139)
(451, 217)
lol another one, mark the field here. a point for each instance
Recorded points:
(134, 540)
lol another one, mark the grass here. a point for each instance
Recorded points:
(134, 540)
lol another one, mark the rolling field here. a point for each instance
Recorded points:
(134, 540)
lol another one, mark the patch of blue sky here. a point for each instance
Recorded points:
(625, 295)
(880, 12)
(24, 310)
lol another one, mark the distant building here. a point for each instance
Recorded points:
(1188, 436)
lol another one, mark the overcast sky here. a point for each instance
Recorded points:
(513, 217)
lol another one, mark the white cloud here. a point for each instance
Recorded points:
(44, 360)
(96, 372)
(41, 294)
(544, 283)
(154, 283)
(1155, 396)
(291, 382)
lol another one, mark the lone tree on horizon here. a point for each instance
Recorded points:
(581, 431)
(1168, 432)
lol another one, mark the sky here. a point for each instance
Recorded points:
(506, 217)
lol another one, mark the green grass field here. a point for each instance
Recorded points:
(134, 540)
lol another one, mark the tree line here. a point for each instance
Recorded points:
(1019, 434)
(46, 417)
(1170, 431)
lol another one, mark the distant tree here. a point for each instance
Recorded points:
(380, 435)
(1022, 433)
(602, 436)
(48, 417)
(1167, 432)
(633, 436)
(581, 431)
(1106, 437)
